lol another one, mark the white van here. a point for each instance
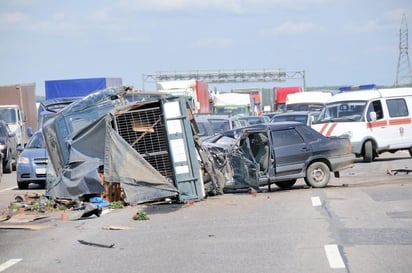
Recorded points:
(377, 121)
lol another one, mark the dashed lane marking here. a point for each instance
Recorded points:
(9, 263)
(316, 201)
(334, 257)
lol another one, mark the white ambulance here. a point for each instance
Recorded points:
(377, 121)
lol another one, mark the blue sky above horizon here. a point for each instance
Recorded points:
(335, 42)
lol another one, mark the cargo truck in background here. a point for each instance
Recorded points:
(78, 87)
(18, 109)
(281, 94)
(60, 93)
(196, 92)
(232, 104)
(261, 99)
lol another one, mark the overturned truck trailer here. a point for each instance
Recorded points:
(146, 147)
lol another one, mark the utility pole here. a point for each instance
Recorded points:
(403, 73)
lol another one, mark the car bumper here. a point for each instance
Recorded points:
(28, 173)
(342, 162)
(357, 147)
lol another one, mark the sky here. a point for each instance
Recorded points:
(336, 42)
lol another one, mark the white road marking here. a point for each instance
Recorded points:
(9, 263)
(8, 189)
(334, 257)
(316, 201)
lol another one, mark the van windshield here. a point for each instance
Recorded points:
(345, 111)
(9, 115)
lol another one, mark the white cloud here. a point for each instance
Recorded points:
(290, 27)
(395, 15)
(233, 6)
(13, 18)
(212, 42)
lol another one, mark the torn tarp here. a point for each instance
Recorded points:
(81, 142)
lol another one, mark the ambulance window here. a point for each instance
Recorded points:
(376, 107)
(397, 108)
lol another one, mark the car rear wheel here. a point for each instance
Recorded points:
(284, 185)
(368, 151)
(317, 175)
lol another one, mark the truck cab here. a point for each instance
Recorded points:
(8, 147)
(16, 120)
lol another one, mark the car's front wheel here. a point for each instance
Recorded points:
(8, 167)
(23, 185)
(284, 185)
(317, 175)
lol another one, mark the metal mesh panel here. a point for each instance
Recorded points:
(145, 131)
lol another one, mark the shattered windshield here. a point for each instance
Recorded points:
(344, 111)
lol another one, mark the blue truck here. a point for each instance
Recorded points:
(78, 87)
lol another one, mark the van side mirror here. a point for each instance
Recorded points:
(372, 116)
(312, 119)
(29, 131)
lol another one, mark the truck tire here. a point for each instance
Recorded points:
(368, 151)
(317, 175)
(284, 185)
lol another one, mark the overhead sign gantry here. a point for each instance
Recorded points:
(226, 76)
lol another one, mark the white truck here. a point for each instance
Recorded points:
(307, 101)
(232, 104)
(18, 109)
(377, 121)
(195, 91)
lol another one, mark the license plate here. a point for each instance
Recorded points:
(40, 170)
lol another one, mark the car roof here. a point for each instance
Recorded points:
(293, 113)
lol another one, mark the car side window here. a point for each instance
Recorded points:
(397, 108)
(376, 107)
(286, 137)
(309, 133)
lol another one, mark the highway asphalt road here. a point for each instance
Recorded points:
(361, 222)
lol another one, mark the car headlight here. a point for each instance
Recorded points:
(2, 146)
(23, 160)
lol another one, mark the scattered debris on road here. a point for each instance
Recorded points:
(140, 216)
(95, 244)
(396, 171)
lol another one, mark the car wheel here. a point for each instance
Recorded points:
(284, 185)
(368, 151)
(23, 185)
(7, 168)
(317, 175)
